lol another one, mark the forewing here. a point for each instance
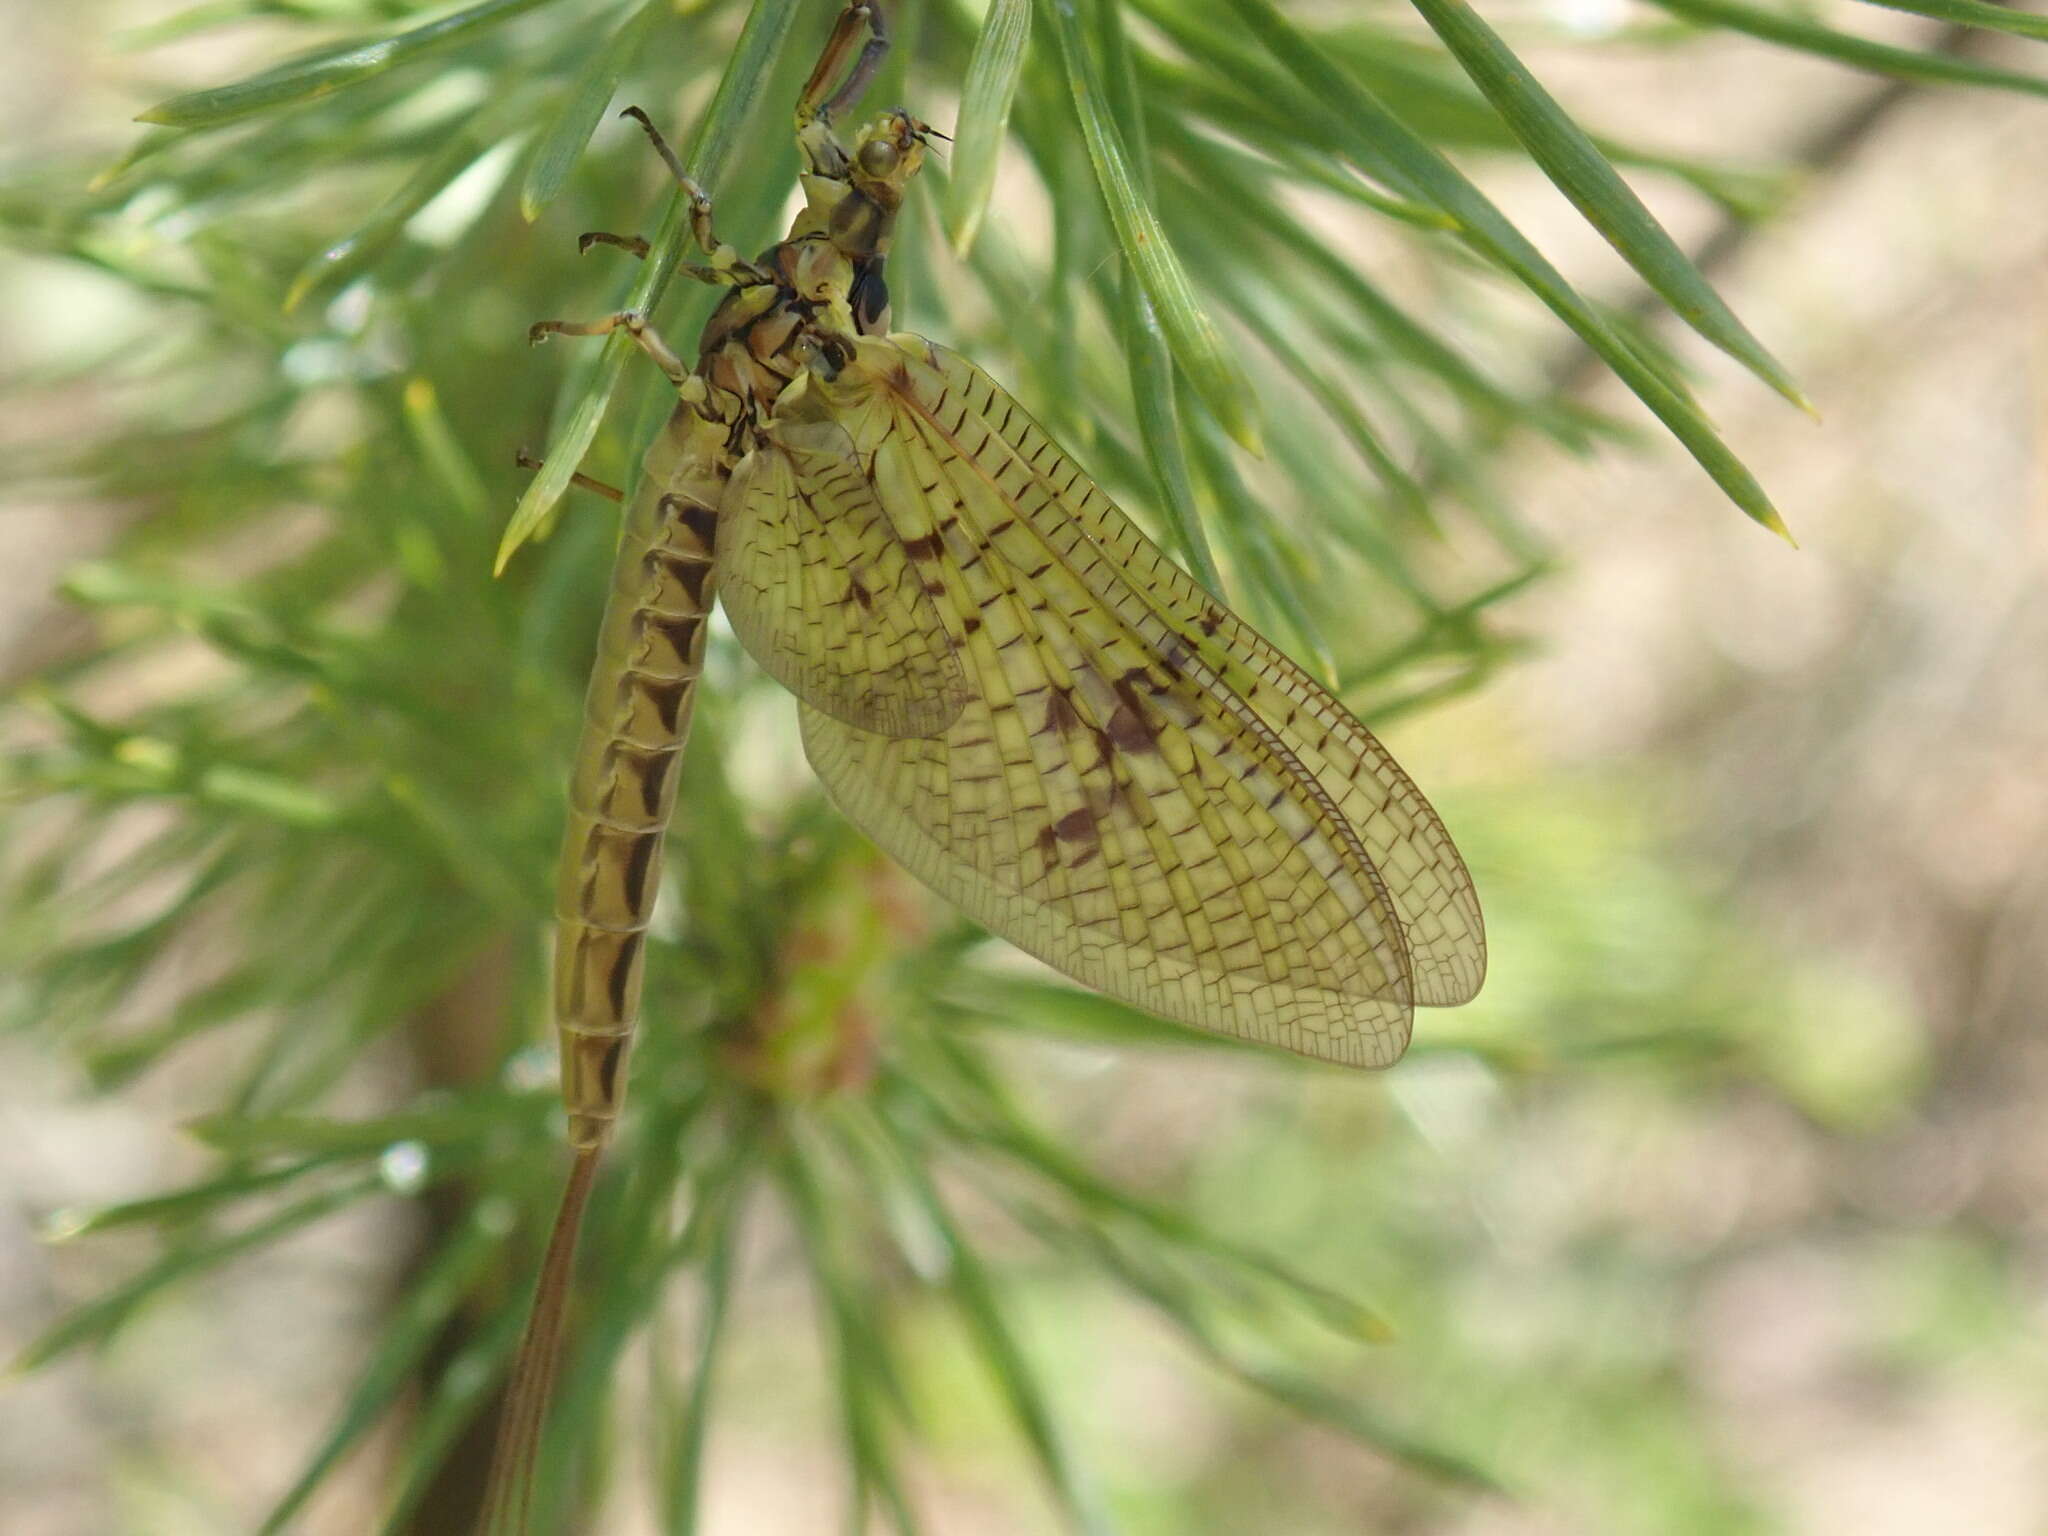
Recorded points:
(821, 592)
(1401, 832)
(1139, 791)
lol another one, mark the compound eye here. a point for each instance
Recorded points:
(878, 157)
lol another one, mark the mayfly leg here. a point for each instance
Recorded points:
(633, 245)
(611, 493)
(727, 264)
(634, 324)
(818, 101)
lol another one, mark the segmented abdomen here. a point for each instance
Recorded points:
(636, 720)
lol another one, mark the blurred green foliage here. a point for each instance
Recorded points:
(300, 792)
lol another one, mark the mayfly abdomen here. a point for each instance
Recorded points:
(636, 721)
(792, 315)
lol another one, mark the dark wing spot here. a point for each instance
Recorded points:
(1129, 729)
(1138, 676)
(1060, 714)
(1048, 846)
(925, 547)
(1077, 826)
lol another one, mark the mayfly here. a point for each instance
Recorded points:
(1000, 680)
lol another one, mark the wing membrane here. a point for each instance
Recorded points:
(1139, 790)
(821, 591)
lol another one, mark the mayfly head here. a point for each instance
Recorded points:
(852, 194)
(889, 151)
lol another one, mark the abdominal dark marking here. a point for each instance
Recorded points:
(616, 985)
(653, 775)
(610, 1064)
(701, 520)
(638, 863)
(666, 698)
(677, 636)
(684, 573)
(692, 578)
(679, 631)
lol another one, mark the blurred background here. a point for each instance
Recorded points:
(1720, 1210)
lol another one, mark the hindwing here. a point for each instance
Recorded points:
(820, 589)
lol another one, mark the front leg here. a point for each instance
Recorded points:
(633, 245)
(634, 324)
(819, 102)
(727, 265)
(736, 273)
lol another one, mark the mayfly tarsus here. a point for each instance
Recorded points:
(1000, 680)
